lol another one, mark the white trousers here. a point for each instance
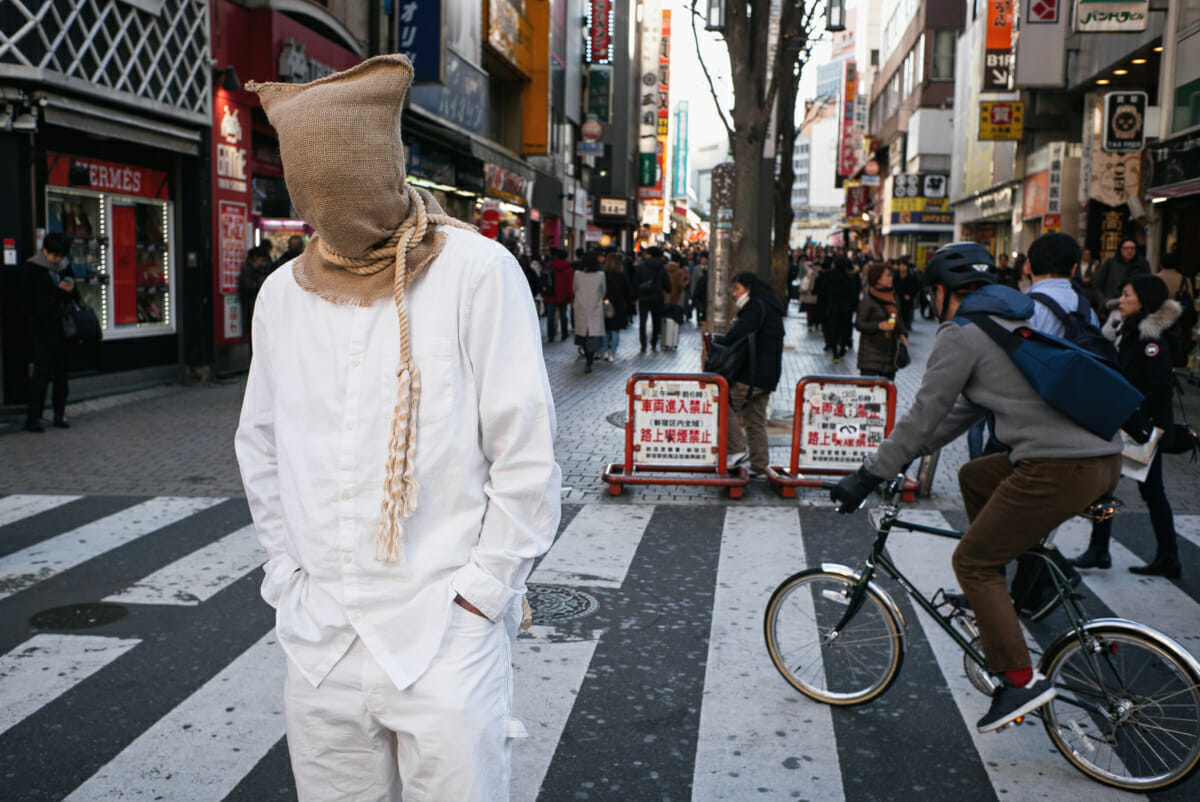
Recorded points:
(446, 738)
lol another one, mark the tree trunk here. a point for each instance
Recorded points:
(786, 127)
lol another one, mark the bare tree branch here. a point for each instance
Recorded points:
(712, 89)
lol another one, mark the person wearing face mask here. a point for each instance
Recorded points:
(760, 314)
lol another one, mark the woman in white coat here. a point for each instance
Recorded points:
(589, 308)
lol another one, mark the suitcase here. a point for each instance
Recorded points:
(670, 334)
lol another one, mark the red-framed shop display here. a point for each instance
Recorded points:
(838, 420)
(675, 434)
(119, 223)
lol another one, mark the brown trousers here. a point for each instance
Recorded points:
(1012, 508)
(748, 422)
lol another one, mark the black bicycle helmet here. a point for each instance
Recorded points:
(959, 265)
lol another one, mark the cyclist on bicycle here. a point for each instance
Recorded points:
(1053, 467)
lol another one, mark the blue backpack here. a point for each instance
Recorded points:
(1078, 327)
(1067, 377)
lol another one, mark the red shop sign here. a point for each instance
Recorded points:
(102, 176)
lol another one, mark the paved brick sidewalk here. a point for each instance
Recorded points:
(177, 440)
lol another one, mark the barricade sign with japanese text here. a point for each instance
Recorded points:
(838, 420)
(675, 433)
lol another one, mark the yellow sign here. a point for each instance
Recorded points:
(1001, 120)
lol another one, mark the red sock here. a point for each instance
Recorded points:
(1020, 677)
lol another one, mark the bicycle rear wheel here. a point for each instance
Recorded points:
(1128, 709)
(844, 668)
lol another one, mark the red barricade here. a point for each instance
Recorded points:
(837, 420)
(675, 434)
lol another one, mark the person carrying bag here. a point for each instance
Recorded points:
(1144, 314)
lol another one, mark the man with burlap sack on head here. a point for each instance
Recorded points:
(396, 446)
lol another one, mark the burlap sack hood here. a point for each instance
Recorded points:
(343, 161)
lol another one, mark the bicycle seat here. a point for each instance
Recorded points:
(1103, 508)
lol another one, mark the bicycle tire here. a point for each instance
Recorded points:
(856, 667)
(1146, 734)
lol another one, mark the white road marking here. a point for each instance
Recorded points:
(14, 508)
(203, 748)
(29, 566)
(200, 575)
(46, 666)
(597, 546)
(755, 730)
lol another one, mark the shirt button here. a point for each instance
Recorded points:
(349, 426)
(355, 362)
(347, 559)
(346, 495)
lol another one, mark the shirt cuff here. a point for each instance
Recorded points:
(279, 571)
(480, 588)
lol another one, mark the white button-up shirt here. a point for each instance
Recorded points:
(312, 445)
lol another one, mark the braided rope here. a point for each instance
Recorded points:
(400, 488)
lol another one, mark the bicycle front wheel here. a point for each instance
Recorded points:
(849, 667)
(1128, 706)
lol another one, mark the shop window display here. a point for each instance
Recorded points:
(120, 253)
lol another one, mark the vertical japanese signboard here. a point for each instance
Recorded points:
(847, 141)
(1124, 122)
(420, 36)
(679, 153)
(997, 62)
(1052, 220)
(231, 210)
(599, 41)
(656, 190)
(648, 97)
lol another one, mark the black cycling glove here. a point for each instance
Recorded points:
(852, 491)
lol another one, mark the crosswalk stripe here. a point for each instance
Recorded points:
(547, 675)
(29, 566)
(747, 706)
(597, 546)
(200, 750)
(14, 508)
(46, 666)
(1168, 609)
(197, 577)
(1020, 762)
(1188, 528)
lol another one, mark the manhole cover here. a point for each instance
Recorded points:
(618, 418)
(552, 603)
(78, 616)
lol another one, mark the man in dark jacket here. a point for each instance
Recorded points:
(47, 291)
(838, 297)
(295, 247)
(759, 314)
(651, 284)
(1112, 274)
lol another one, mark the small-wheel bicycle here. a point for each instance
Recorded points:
(1127, 711)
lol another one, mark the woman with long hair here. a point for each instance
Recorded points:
(588, 307)
(619, 296)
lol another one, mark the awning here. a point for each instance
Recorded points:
(106, 121)
(1179, 190)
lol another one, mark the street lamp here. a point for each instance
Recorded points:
(835, 15)
(715, 19)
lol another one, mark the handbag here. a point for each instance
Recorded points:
(79, 323)
(1136, 457)
(728, 360)
(1183, 438)
(609, 311)
(903, 357)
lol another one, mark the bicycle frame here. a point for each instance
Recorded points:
(889, 519)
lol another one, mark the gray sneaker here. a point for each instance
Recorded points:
(1010, 702)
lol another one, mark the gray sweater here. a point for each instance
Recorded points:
(968, 375)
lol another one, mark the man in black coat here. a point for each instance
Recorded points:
(650, 285)
(759, 314)
(47, 291)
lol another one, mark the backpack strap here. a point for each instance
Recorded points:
(1054, 307)
(1004, 338)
